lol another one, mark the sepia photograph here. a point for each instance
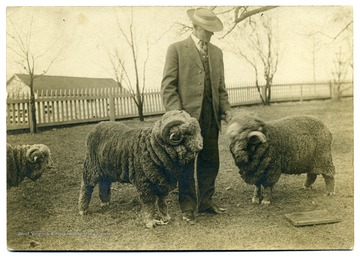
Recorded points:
(213, 127)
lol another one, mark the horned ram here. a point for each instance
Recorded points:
(149, 158)
(291, 145)
(26, 161)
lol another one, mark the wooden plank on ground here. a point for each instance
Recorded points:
(309, 218)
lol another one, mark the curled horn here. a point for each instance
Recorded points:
(30, 154)
(257, 134)
(170, 138)
(37, 150)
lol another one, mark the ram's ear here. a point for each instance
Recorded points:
(256, 137)
(233, 130)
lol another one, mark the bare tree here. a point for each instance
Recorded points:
(122, 69)
(259, 47)
(34, 64)
(339, 73)
(324, 37)
(117, 66)
(317, 44)
(345, 17)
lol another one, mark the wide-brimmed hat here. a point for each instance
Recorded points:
(205, 18)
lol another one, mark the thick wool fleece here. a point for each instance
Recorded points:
(294, 145)
(125, 155)
(18, 167)
(139, 156)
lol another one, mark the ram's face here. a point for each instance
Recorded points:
(246, 133)
(190, 133)
(239, 148)
(181, 133)
(186, 140)
(36, 172)
(40, 161)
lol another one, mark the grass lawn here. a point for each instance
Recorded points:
(43, 215)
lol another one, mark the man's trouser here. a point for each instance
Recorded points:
(208, 166)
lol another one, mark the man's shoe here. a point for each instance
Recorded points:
(189, 217)
(213, 210)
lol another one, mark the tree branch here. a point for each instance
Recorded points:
(343, 30)
(247, 14)
(244, 15)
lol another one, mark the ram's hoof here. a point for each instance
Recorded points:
(306, 187)
(105, 204)
(161, 222)
(151, 224)
(166, 219)
(82, 213)
(329, 193)
(255, 200)
(265, 202)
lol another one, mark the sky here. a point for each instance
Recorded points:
(86, 36)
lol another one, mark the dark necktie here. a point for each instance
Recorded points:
(205, 59)
(203, 48)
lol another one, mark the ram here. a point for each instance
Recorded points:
(149, 158)
(26, 161)
(291, 145)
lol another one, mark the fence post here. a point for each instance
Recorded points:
(112, 108)
(301, 93)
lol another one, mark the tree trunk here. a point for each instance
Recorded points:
(140, 107)
(267, 94)
(139, 102)
(259, 91)
(33, 125)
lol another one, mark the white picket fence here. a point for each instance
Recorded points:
(60, 107)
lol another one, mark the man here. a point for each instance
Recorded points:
(193, 81)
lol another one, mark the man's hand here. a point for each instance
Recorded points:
(226, 116)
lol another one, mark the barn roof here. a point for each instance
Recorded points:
(50, 82)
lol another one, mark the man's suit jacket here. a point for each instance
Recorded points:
(183, 81)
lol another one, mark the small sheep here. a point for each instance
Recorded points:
(292, 145)
(26, 161)
(151, 159)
